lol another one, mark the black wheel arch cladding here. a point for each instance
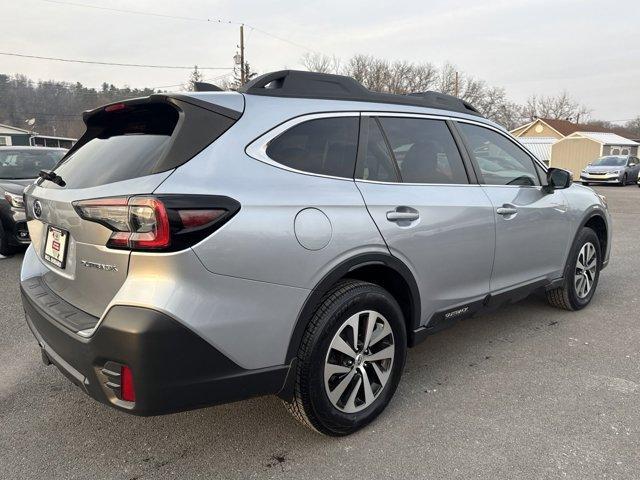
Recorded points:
(357, 267)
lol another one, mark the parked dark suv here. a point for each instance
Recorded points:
(19, 166)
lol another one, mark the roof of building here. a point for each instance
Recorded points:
(539, 146)
(563, 127)
(8, 129)
(605, 138)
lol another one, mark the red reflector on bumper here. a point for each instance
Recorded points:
(126, 386)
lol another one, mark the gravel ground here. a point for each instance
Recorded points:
(527, 392)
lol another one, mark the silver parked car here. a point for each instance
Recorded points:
(618, 169)
(293, 238)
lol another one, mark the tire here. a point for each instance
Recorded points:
(333, 320)
(624, 181)
(571, 295)
(6, 250)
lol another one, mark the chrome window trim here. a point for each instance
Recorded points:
(421, 184)
(258, 148)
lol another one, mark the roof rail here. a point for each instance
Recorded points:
(301, 84)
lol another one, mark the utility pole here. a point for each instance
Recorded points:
(242, 72)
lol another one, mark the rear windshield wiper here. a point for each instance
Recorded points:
(52, 177)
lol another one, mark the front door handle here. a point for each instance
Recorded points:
(403, 214)
(507, 211)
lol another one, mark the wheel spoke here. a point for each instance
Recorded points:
(331, 369)
(379, 334)
(368, 393)
(383, 354)
(337, 392)
(354, 322)
(343, 347)
(350, 406)
(371, 323)
(382, 376)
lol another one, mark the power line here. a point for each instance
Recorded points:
(55, 59)
(179, 17)
(149, 14)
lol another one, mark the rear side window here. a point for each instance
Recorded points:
(136, 140)
(377, 163)
(424, 151)
(325, 146)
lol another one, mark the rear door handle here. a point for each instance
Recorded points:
(507, 211)
(400, 214)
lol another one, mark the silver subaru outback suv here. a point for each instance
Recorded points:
(293, 238)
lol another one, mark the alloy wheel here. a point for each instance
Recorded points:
(359, 361)
(585, 272)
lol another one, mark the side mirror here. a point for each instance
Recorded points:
(557, 179)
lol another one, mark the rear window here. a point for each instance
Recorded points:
(23, 164)
(120, 145)
(141, 138)
(325, 146)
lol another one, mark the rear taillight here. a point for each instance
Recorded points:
(164, 222)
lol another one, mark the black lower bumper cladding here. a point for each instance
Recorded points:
(173, 368)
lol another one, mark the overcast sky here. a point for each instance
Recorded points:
(589, 48)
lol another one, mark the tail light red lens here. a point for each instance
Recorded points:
(127, 391)
(168, 222)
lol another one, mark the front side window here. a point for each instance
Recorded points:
(423, 150)
(500, 160)
(326, 146)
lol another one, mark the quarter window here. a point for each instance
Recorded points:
(423, 150)
(325, 146)
(501, 161)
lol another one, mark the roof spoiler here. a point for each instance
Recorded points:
(172, 98)
(302, 84)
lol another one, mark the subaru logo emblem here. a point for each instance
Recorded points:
(37, 209)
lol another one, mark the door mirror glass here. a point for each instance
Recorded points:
(558, 179)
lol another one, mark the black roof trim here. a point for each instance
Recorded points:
(206, 87)
(301, 84)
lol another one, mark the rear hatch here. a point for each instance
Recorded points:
(128, 150)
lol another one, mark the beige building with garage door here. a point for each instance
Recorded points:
(577, 150)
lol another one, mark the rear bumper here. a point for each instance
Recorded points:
(173, 368)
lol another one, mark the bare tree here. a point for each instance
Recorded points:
(559, 107)
(317, 62)
(633, 126)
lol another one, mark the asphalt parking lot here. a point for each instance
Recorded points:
(527, 392)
